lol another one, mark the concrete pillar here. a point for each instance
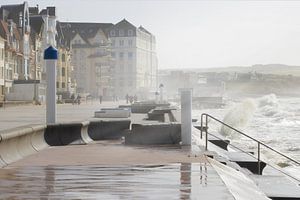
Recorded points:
(50, 55)
(186, 115)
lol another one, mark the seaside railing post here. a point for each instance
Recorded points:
(201, 130)
(206, 134)
(258, 157)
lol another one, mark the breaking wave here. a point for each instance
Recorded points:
(270, 107)
(238, 116)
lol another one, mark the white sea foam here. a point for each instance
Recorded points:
(238, 116)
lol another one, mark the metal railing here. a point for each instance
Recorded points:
(259, 143)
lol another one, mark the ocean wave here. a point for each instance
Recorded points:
(268, 100)
(238, 116)
(293, 149)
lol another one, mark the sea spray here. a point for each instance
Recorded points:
(238, 116)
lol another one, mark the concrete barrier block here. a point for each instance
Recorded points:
(154, 134)
(113, 113)
(104, 129)
(63, 134)
(17, 143)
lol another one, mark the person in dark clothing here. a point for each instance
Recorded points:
(78, 99)
(73, 99)
(100, 99)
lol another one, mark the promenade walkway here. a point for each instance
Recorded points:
(112, 170)
(11, 117)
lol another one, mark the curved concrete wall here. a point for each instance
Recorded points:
(20, 142)
(67, 133)
(105, 130)
(154, 134)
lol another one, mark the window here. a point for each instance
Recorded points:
(130, 55)
(121, 32)
(63, 71)
(121, 55)
(130, 32)
(112, 33)
(63, 57)
(129, 42)
(57, 84)
(63, 85)
(121, 42)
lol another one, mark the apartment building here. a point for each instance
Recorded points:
(17, 18)
(134, 52)
(91, 57)
(64, 83)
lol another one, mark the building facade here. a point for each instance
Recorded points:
(18, 16)
(134, 51)
(91, 58)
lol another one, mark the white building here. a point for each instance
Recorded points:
(134, 51)
(112, 60)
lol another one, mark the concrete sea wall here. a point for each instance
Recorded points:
(20, 142)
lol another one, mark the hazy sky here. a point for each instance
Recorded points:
(201, 33)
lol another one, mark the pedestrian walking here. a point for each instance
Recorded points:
(100, 99)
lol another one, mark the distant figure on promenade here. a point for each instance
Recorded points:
(78, 99)
(100, 99)
(135, 98)
(127, 98)
(73, 99)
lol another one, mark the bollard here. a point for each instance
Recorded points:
(50, 55)
(186, 116)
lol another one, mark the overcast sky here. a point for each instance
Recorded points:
(201, 33)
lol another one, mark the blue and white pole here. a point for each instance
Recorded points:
(50, 56)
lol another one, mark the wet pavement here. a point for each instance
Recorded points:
(171, 181)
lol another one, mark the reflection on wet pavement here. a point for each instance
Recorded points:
(172, 181)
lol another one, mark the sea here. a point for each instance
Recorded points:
(271, 119)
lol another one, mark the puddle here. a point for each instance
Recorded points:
(174, 181)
